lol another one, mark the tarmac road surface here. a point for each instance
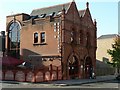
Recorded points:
(111, 85)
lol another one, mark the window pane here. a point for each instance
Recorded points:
(42, 37)
(14, 39)
(55, 28)
(35, 37)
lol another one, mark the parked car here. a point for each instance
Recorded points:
(118, 77)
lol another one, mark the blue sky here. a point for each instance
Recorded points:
(105, 12)
(119, 17)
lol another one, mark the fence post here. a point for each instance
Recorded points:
(57, 73)
(3, 76)
(79, 71)
(51, 71)
(25, 75)
(43, 75)
(14, 74)
(35, 73)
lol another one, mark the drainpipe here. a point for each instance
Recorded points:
(62, 41)
(3, 42)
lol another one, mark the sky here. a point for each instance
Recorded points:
(119, 17)
(105, 12)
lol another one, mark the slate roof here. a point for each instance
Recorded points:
(53, 11)
(49, 10)
(107, 36)
(82, 12)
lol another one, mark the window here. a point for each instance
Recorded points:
(14, 39)
(35, 37)
(88, 39)
(42, 15)
(42, 35)
(81, 37)
(52, 14)
(39, 39)
(73, 36)
(56, 26)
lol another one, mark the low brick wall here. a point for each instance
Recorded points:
(31, 76)
(104, 69)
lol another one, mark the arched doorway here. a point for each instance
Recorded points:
(73, 67)
(88, 67)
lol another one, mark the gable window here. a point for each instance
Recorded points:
(42, 36)
(36, 37)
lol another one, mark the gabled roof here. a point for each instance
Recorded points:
(107, 36)
(50, 10)
(82, 13)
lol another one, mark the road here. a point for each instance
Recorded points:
(108, 84)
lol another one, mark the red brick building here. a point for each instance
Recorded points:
(58, 35)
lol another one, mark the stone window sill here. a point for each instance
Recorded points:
(35, 44)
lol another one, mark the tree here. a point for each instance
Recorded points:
(115, 54)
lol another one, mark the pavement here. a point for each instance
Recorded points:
(68, 82)
(83, 81)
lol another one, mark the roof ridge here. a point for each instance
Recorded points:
(52, 6)
(107, 36)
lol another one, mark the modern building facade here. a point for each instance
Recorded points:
(59, 35)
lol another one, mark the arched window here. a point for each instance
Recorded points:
(81, 37)
(36, 37)
(73, 36)
(14, 39)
